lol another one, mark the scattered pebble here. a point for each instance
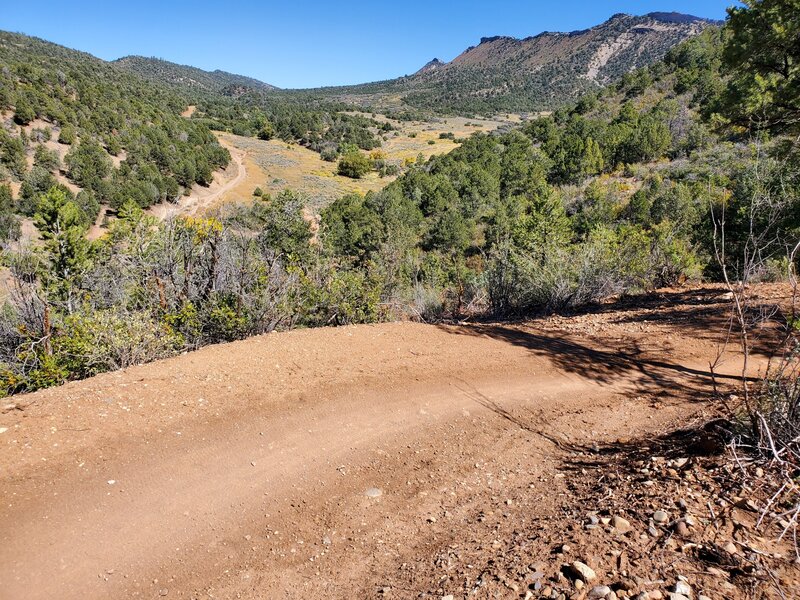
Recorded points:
(373, 493)
(682, 588)
(583, 571)
(620, 524)
(660, 516)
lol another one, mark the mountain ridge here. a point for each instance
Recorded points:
(187, 76)
(540, 72)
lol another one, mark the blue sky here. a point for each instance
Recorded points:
(308, 44)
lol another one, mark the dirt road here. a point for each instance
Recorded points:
(316, 463)
(202, 198)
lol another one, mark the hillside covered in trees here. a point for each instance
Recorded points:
(183, 77)
(106, 133)
(98, 134)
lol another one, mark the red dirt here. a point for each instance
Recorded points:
(240, 470)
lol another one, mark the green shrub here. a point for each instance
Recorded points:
(67, 135)
(354, 165)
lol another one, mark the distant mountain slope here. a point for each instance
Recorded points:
(540, 72)
(189, 78)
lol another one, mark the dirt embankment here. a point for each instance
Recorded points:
(397, 460)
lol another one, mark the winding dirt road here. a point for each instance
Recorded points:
(315, 463)
(202, 198)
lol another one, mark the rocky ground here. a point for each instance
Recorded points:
(666, 518)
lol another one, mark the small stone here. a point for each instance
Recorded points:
(682, 588)
(165, 591)
(565, 548)
(579, 584)
(660, 516)
(509, 502)
(652, 531)
(3, 429)
(326, 541)
(112, 481)
(599, 591)
(431, 519)
(448, 597)
(702, 597)
(592, 519)
(655, 595)
(620, 524)
(730, 548)
(583, 571)
(759, 472)
(681, 529)
(373, 493)
(690, 521)
(679, 462)
(716, 572)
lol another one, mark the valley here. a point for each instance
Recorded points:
(275, 165)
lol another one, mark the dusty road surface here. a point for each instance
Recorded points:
(321, 463)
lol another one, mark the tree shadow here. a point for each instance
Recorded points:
(696, 314)
(604, 366)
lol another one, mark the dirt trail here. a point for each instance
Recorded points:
(202, 198)
(242, 470)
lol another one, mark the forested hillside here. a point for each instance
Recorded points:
(184, 77)
(248, 107)
(102, 135)
(105, 134)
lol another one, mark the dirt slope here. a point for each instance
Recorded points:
(243, 470)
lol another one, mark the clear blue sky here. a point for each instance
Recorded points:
(296, 43)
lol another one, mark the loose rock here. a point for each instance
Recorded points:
(682, 588)
(583, 571)
(620, 524)
(660, 516)
(681, 529)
